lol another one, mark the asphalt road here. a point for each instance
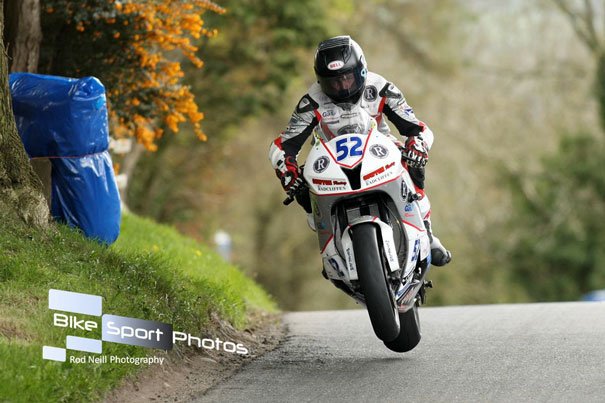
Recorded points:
(492, 353)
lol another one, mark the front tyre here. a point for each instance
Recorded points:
(370, 269)
(409, 335)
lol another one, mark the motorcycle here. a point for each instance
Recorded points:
(372, 238)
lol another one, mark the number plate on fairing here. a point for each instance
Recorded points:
(348, 149)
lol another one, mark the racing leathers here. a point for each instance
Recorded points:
(380, 98)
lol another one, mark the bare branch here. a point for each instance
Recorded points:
(589, 18)
(580, 25)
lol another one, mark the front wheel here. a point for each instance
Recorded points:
(370, 269)
(409, 334)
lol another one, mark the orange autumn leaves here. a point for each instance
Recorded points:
(168, 26)
(145, 88)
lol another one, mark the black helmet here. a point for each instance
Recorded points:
(341, 69)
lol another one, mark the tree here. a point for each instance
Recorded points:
(263, 46)
(20, 192)
(588, 19)
(23, 33)
(423, 32)
(132, 47)
(557, 225)
(256, 57)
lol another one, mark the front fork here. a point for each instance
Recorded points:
(409, 292)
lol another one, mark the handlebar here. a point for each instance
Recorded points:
(293, 193)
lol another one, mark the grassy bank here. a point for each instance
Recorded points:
(151, 273)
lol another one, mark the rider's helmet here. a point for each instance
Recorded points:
(341, 69)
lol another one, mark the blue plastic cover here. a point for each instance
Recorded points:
(65, 120)
(58, 116)
(84, 194)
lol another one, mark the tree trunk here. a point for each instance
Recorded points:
(20, 189)
(601, 87)
(23, 34)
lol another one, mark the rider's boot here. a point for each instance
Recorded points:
(440, 256)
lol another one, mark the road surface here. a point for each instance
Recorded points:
(492, 353)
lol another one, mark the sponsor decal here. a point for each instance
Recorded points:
(409, 112)
(321, 164)
(350, 114)
(329, 185)
(336, 267)
(416, 250)
(389, 250)
(370, 93)
(373, 173)
(379, 174)
(350, 260)
(326, 182)
(328, 113)
(404, 192)
(336, 64)
(115, 329)
(323, 188)
(408, 207)
(379, 151)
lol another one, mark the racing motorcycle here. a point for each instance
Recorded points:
(372, 238)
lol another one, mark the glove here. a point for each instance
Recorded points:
(415, 150)
(290, 178)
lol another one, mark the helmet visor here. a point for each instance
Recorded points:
(343, 86)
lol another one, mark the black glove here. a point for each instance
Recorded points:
(415, 150)
(290, 178)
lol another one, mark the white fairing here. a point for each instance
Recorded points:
(381, 162)
(381, 170)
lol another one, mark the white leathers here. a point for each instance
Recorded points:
(316, 111)
(380, 98)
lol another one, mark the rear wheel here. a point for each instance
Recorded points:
(409, 334)
(370, 269)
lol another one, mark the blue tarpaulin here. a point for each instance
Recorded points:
(65, 119)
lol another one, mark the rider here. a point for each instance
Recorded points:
(343, 78)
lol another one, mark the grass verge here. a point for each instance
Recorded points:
(151, 273)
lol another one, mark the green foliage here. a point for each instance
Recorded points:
(93, 39)
(256, 56)
(133, 48)
(558, 225)
(600, 87)
(151, 273)
(68, 26)
(261, 48)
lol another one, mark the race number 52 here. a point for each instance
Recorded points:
(348, 147)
